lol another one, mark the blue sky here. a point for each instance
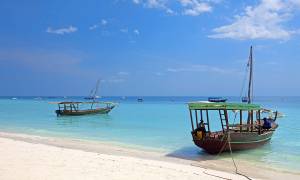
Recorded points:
(148, 47)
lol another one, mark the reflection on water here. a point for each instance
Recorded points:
(93, 119)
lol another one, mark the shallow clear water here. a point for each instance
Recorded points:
(161, 123)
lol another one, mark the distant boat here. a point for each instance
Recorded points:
(140, 99)
(93, 92)
(245, 99)
(14, 98)
(92, 97)
(242, 135)
(217, 99)
(75, 109)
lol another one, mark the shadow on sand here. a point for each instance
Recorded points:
(191, 153)
(197, 154)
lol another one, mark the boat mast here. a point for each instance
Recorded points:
(96, 89)
(250, 64)
(95, 92)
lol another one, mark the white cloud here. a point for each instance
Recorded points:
(102, 23)
(62, 31)
(136, 32)
(95, 26)
(151, 3)
(124, 30)
(136, 1)
(185, 7)
(195, 7)
(263, 21)
(158, 4)
(159, 74)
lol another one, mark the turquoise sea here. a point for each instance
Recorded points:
(160, 123)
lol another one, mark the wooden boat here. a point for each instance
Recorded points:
(140, 99)
(251, 131)
(245, 99)
(73, 108)
(217, 99)
(238, 136)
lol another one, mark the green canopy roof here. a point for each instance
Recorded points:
(216, 106)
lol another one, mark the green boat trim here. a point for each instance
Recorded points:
(223, 106)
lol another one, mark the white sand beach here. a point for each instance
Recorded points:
(33, 157)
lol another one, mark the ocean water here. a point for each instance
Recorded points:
(158, 123)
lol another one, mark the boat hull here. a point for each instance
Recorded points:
(239, 141)
(83, 112)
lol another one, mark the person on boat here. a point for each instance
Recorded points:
(267, 123)
(201, 131)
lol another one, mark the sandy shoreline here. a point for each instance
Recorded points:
(34, 157)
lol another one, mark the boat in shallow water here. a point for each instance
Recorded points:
(247, 133)
(251, 131)
(75, 108)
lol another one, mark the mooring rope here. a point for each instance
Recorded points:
(231, 155)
